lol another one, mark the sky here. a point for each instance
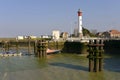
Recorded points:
(41, 17)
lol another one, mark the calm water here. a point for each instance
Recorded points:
(57, 67)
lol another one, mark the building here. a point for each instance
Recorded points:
(45, 36)
(26, 37)
(33, 37)
(114, 34)
(64, 35)
(19, 37)
(55, 34)
(110, 34)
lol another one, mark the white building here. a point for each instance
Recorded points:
(55, 34)
(45, 36)
(64, 35)
(25, 37)
(20, 38)
(33, 37)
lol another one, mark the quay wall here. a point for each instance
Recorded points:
(112, 46)
(75, 47)
(29, 43)
(56, 45)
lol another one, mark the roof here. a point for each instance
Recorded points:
(114, 32)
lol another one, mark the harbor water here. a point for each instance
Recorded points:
(57, 67)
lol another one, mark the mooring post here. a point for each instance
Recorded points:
(38, 48)
(17, 46)
(90, 57)
(3, 45)
(35, 47)
(101, 55)
(6, 46)
(95, 55)
(29, 45)
(41, 48)
(44, 48)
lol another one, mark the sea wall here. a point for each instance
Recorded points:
(112, 46)
(56, 45)
(75, 47)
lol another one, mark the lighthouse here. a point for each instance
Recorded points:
(80, 33)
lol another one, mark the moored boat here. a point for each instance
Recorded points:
(51, 51)
(9, 53)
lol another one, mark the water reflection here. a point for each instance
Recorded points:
(71, 66)
(112, 64)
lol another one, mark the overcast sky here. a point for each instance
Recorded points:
(40, 17)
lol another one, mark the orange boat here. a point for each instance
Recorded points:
(50, 51)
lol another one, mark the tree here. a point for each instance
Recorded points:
(86, 32)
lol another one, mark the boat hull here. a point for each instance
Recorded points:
(10, 54)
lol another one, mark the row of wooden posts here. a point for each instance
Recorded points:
(95, 55)
(5, 45)
(40, 47)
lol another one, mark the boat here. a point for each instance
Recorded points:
(9, 53)
(52, 51)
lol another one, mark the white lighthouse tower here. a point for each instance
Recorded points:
(80, 33)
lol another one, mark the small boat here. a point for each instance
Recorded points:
(9, 53)
(51, 51)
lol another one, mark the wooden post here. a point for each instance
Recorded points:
(35, 47)
(17, 46)
(6, 46)
(95, 55)
(90, 57)
(3, 45)
(101, 56)
(29, 46)
(41, 48)
(91, 65)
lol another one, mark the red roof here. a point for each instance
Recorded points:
(114, 32)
